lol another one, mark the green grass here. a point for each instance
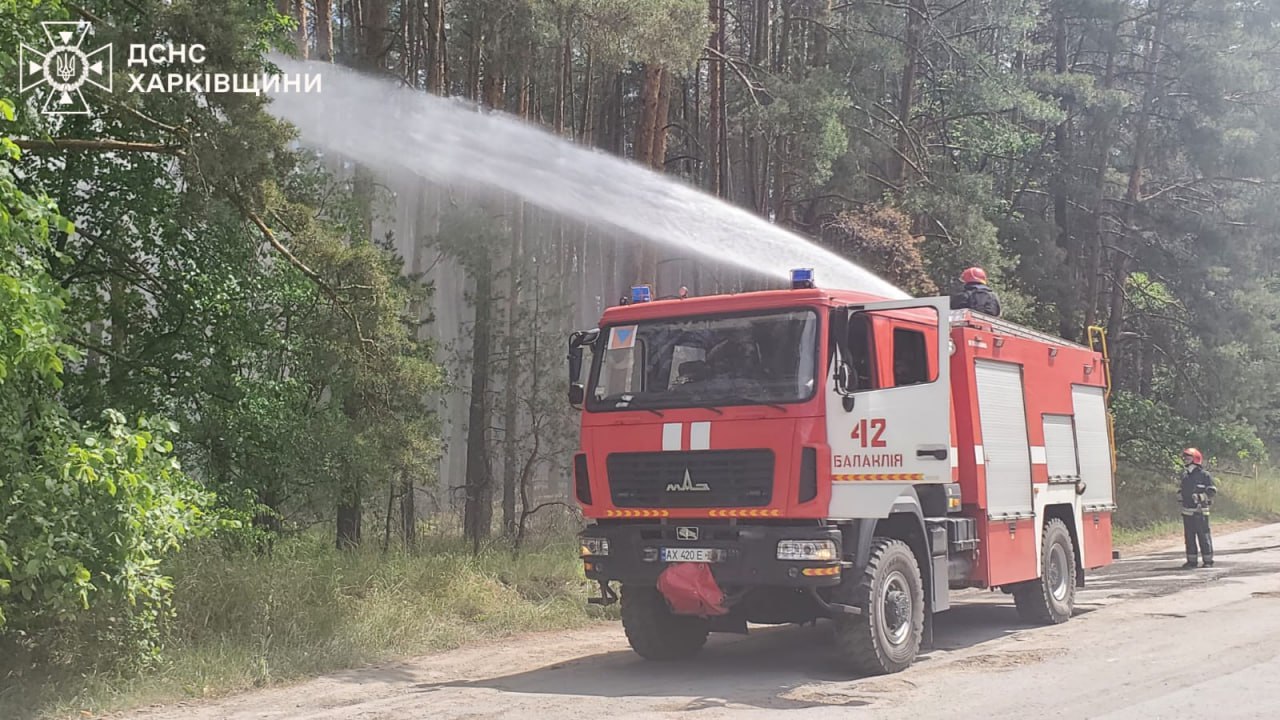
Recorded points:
(244, 621)
(1148, 506)
(1123, 537)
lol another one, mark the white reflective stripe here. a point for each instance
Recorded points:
(1039, 456)
(700, 436)
(980, 455)
(955, 458)
(671, 436)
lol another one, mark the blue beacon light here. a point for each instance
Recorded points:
(641, 294)
(802, 278)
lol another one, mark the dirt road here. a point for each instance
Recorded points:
(1148, 641)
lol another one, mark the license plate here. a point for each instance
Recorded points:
(681, 554)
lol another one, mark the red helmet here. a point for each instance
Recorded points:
(1194, 454)
(974, 275)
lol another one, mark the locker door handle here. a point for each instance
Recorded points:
(936, 454)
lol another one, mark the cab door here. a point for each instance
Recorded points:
(888, 401)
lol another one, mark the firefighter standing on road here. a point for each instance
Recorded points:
(976, 294)
(1197, 495)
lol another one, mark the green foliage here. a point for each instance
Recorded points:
(90, 525)
(299, 381)
(670, 33)
(1150, 435)
(294, 388)
(243, 620)
(85, 517)
(31, 301)
(808, 114)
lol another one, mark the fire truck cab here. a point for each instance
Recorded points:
(783, 456)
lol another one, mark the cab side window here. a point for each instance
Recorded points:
(861, 362)
(910, 358)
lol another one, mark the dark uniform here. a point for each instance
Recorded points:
(979, 297)
(1197, 495)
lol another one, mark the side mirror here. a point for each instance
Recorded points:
(577, 390)
(575, 362)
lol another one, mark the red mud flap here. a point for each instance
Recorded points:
(691, 589)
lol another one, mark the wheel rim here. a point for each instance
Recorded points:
(895, 608)
(1057, 572)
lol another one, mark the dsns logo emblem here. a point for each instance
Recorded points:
(65, 67)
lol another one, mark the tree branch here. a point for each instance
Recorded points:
(751, 86)
(312, 275)
(73, 144)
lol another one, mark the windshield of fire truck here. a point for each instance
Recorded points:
(707, 361)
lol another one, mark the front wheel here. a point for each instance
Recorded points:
(886, 636)
(1051, 599)
(656, 633)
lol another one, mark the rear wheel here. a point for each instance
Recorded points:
(886, 636)
(653, 631)
(1051, 599)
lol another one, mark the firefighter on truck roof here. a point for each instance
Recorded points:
(1196, 493)
(976, 295)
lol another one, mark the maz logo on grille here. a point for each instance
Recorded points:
(695, 479)
(688, 485)
(686, 533)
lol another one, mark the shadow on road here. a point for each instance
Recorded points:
(797, 667)
(760, 670)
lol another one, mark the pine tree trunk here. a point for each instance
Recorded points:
(1069, 303)
(650, 93)
(324, 30)
(562, 85)
(1141, 146)
(715, 99)
(348, 531)
(643, 256)
(821, 37)
(118, 312)
(1105, 139)
(716, 114)
(478, 509)
(588, 125)
(900, 174)
(300, 34)
(661, 115)
(475, 55)
(566, 79)
(435, 47)
(511, 387)
(350, 490)
(374, 37)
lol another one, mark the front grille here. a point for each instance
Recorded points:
(703, 478)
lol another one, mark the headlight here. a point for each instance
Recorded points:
(820, 550)
(592, 546)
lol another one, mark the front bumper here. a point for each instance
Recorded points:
(750, 553)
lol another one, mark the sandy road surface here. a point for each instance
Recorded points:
(1149, 641)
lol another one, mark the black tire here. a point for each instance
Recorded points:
(655, 633)
(886, 636)
(1051, 599)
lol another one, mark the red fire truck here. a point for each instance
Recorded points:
(783, 456)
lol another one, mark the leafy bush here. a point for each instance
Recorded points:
(245, 619)
(85, 517)
(1150, 435)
